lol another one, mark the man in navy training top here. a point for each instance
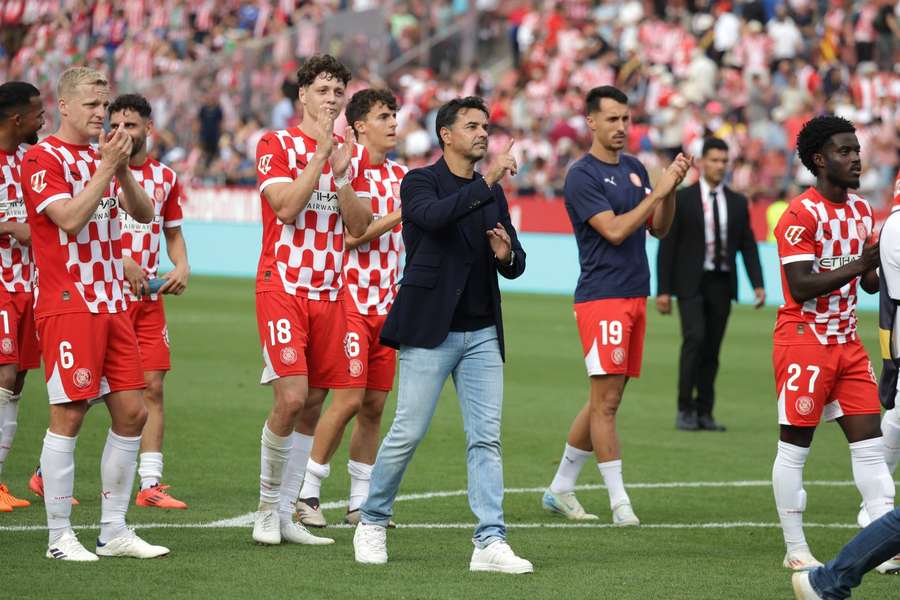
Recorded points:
(611, 205)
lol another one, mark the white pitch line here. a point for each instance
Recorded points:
(246, 519)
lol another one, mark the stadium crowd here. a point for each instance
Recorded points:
(748, 72)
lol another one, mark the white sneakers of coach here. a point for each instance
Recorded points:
(69, 548)
(800, 560)
(296, 533)
(623, 515)
(370, 544)
(130, 546)
(267, 526)
(803, 590)
(498, 557)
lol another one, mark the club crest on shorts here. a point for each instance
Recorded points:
(288, 355)
(6, 345)
(82, 377)
(804, 405)
(356, 367)
(635, 179)
(618, 356)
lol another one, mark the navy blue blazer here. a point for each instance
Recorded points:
(439, 254)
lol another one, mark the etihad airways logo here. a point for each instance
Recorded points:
(835, 262)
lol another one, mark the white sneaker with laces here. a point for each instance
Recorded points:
(69, 548)
(889, 567)
(267, 527)
(296, 533)
(565, 504)
(498, 557)
(623, 515)
(801, 560)
(130, 546)
(370, 544)
(803, 590)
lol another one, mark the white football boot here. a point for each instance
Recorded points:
(130, 545)
(69, 548)
(800, 560)
(267, 527)
(565, 504)
(623, 515)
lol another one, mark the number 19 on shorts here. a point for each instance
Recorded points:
(610, 333)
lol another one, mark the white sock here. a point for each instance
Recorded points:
(150, 469)
(890, 431)
(274, 450)
(569, 467)
(872, 477)
(9, 413)
(612, 478)
(790, 497)
(117, 467)
(58, 471)
(360, 476)
(293, 474)
(312, 481)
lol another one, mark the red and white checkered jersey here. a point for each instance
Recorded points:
(371, 271)
(16, 267)
(830, 235)
(305, 257)
(77, 273)
(141, 241)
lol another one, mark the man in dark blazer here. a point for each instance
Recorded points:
(696, 263)
(446, 321)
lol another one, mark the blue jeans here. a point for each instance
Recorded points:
(472, 358)
(875, 544)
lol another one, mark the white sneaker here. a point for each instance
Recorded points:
(499, 558)
(565, 504)
(310, 513)
(267, 527)
(863, 519)
(298, 534)
(130, 546)
(370, 544)
(889, 567)
(623, 515)
(801, 560)
(803, 590)
(69, 548)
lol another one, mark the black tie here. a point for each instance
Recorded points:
(717, 233)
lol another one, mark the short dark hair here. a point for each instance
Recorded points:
(365, 100)
(133, 102)
(15, 94)
(322, 63)
(815, 134)
(446, 115)
(592, 101)
(713, 143)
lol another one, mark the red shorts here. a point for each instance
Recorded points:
(371, 365)
(612, 335)
(300, 336)
(148, 317)
(815, 381)
(18, 338)
(88, 355)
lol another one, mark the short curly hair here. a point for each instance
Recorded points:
(815, 134)
(365, 100)
(322, 63)
(132, 102)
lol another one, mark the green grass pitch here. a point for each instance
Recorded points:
(216, 409)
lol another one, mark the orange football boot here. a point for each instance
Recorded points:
(158, 497)
(36, 485)
(8, 498)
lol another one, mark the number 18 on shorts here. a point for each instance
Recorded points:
(612, 335)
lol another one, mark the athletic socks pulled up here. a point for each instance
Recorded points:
(872, 477)
(58, 471)
(360, 477)
(570, 465)
(274, 450)
(294, 471)
(117, 469)
(790, 497)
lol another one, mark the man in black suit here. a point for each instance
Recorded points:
(696, 263)
(446, 322)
